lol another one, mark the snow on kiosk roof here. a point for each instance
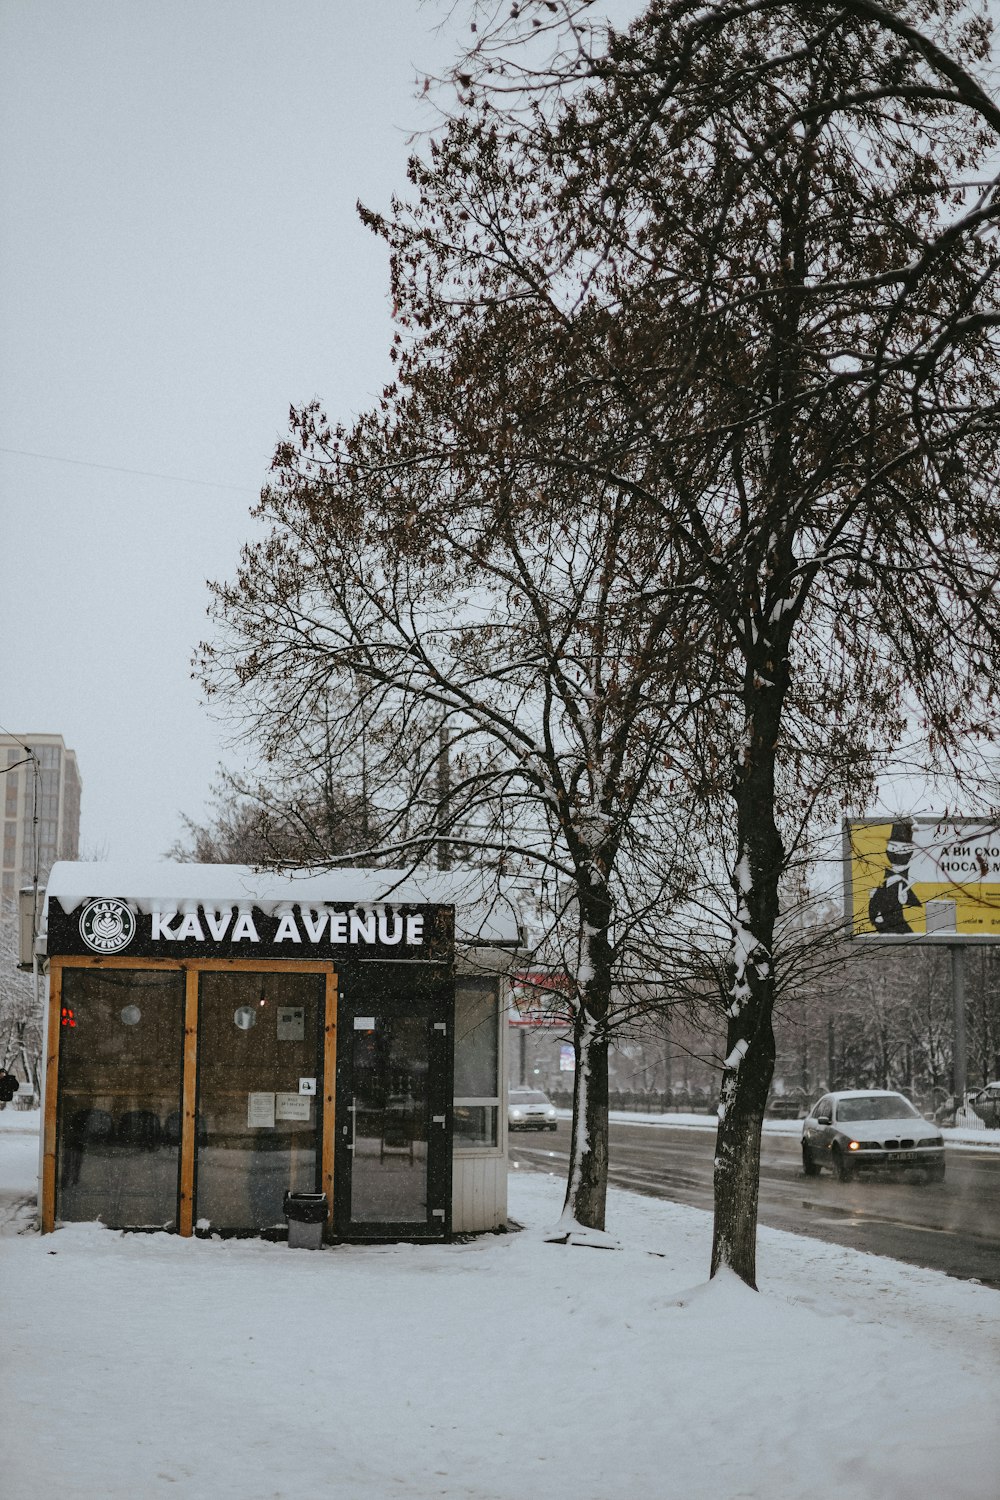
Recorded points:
(484, 908)
(232, 1050)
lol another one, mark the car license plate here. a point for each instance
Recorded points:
(901, 1155)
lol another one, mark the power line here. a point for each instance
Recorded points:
(30, 754)
(81, 463)
(28, 760)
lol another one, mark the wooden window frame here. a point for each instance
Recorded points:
(191, 968)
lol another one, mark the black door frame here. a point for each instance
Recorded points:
(398, 990)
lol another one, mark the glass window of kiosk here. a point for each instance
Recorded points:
(118, 1123)
(477, 1053)
(260, 1093)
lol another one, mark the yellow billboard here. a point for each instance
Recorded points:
(935, 878)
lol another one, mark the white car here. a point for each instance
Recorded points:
(859, 1130)
(530, 1109)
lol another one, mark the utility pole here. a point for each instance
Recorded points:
(831, 1054)
(958, 1069)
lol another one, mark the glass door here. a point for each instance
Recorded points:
(260, 1095)
(393, 1171)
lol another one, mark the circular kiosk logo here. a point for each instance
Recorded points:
(107, 926)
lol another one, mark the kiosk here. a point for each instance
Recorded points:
(220, 1037)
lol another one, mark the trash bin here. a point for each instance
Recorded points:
(306, 1214)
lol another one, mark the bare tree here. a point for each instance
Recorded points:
(686, 479)
(774, 260)
(896, 1025)
(422, 591)
(984, 1029)
(297, 816)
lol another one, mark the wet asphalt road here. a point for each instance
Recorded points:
(953, 1226)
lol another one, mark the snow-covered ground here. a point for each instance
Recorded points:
(136, 1367)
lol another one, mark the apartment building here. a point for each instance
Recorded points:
(41, 808)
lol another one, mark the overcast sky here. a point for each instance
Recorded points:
(180, 260)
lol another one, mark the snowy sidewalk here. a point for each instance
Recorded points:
(142, 1366)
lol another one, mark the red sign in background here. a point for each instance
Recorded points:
(538, 999)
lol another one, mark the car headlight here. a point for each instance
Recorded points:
(517, 1114)
(551, 1113)
(854, 1145)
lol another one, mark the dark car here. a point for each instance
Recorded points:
(530, 1109)
(859, 1130)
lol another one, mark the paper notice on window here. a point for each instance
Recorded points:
(292, 1107)
(291, 1023)
(260, 1111)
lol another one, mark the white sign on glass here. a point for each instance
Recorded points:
(307, 1085)
(291, 1023)
(260, 1111)
(292, 1107)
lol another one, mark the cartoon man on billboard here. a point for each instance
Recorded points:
(888, 901)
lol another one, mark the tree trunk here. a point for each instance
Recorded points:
(750, 1052)
(587, 1185)
(737, 1158)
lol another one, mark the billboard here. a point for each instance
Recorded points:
(937, 879)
